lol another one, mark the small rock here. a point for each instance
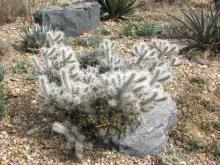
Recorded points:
(16, 120)
(46, 131)
(218, 77)
(16, 92)
(32, 131)
(4, 133)
(2, 157)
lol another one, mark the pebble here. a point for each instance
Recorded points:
(218, 77)
(16, 121)
(2, 157)
(4, 134)
(32, 131)
(47, 131)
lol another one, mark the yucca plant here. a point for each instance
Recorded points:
(33, 38)
(117, 8)
(204, 30)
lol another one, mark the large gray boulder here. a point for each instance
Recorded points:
(152, 133)
(73, 20)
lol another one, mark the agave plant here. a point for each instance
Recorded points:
(117, 8)
(204, 30)
(33, 38)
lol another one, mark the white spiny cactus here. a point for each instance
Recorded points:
(54, 37)
(106, 101)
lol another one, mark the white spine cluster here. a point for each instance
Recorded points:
(130, 86)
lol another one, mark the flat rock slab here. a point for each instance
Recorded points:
(152, 134)
(73, 20)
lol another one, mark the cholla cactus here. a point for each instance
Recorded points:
(37, 36)
(104, 100)
(171, 156)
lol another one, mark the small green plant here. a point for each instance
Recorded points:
(90, 58)
(198, 80)
(216, 149)
(33, 38)
(93, 41)
(80, 41)
(21, 67)
(209, 106)
(32, 77)
(204, 30)
(117, 8)
(146, 29)
(210, 125)
(184, 101)
(195, 144)
(105, 32)
(128, 29)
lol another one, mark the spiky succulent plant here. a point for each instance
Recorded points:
(101, 100)
(117, 8)
(204, 30)
(35, 37)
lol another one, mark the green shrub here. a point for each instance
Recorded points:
(80, 41)
(198, 80)
(204, 30)
(117, 8)
(128, 29)
(93, 41)
(195, 144)
(216, 149)
(21, 67)
(90, 58)
(146, 29)
(105, 32)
